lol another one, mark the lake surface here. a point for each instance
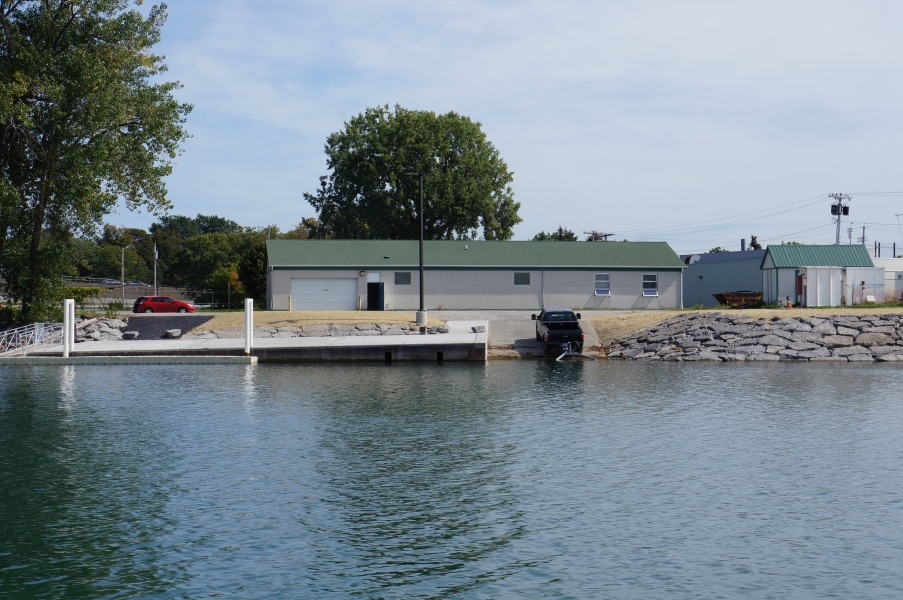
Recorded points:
(513, 479)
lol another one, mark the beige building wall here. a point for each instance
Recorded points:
(494, 289)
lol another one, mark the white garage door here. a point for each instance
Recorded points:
(324, 294)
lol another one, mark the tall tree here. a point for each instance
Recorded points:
(84, 124)
(369, 193)
(562, 235)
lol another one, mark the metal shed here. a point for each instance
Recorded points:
(347, 274)
(719, 272)
(787, 271)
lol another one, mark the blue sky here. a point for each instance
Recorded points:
(638, 118)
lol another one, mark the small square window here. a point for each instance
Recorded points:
(603, 284)
(521, 279)
(650, 285)
(403, 278)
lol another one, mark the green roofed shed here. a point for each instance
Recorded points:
(787, 257)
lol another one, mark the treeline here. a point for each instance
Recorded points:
(200, 253)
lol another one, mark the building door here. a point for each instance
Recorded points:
(324, 294)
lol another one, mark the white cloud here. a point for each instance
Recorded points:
(613, 115)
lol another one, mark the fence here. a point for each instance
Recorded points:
(30, 337)
(127, 294)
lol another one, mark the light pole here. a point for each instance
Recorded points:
(421, 314)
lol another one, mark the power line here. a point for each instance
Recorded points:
(817, 199)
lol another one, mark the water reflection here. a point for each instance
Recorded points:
(420, 479)
(507, 480)
(79, 505)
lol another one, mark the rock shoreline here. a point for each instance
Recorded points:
(336, 330)
(726, 338)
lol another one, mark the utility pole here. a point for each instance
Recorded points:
(595, 236)
(862, 239)
(850, 235)
(156, 256)
(838, 209)
(122, 282)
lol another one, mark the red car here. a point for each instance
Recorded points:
(161, 304)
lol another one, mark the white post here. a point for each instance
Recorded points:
(65, 328)
(249, 325)
(71, 325)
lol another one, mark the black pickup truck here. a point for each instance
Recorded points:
(558, 327)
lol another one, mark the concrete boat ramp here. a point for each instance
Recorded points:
(466, 341)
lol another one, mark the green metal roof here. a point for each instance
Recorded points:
(784, 257)
(360, 254)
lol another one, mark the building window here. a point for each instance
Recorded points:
(603, 284)
(650, 285)
(521, 279)
(403, 278)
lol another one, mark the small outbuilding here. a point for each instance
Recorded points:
(831, 275)
(384, 274)
(720, 272)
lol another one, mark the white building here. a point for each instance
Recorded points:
(384, 274)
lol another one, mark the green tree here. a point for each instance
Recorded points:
(86, 123)
(718, 249)
(200, 257)
(369, 194)
(562, 235)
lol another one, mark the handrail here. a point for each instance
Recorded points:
(22, 339)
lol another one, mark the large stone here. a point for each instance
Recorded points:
(773, 349)
(837, 340)
(803, 346)
(644, 355)
(788, 352)
(756, 349)
(828, 359)
(894, 357)
(819, 353)
(850, 351)
(759, 357)
(884, 349)
(856, 324)
(881, 329)
(783, 334)
(630, 352)
(805, 336)
(826, 327)
(130, 335)
(715, 344)
(173, 333)
(861, 358)
(841, 330)
(874, 339)
(773, 340)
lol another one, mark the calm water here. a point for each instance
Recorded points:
(528, 479)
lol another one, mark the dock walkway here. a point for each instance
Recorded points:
(462, 343)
